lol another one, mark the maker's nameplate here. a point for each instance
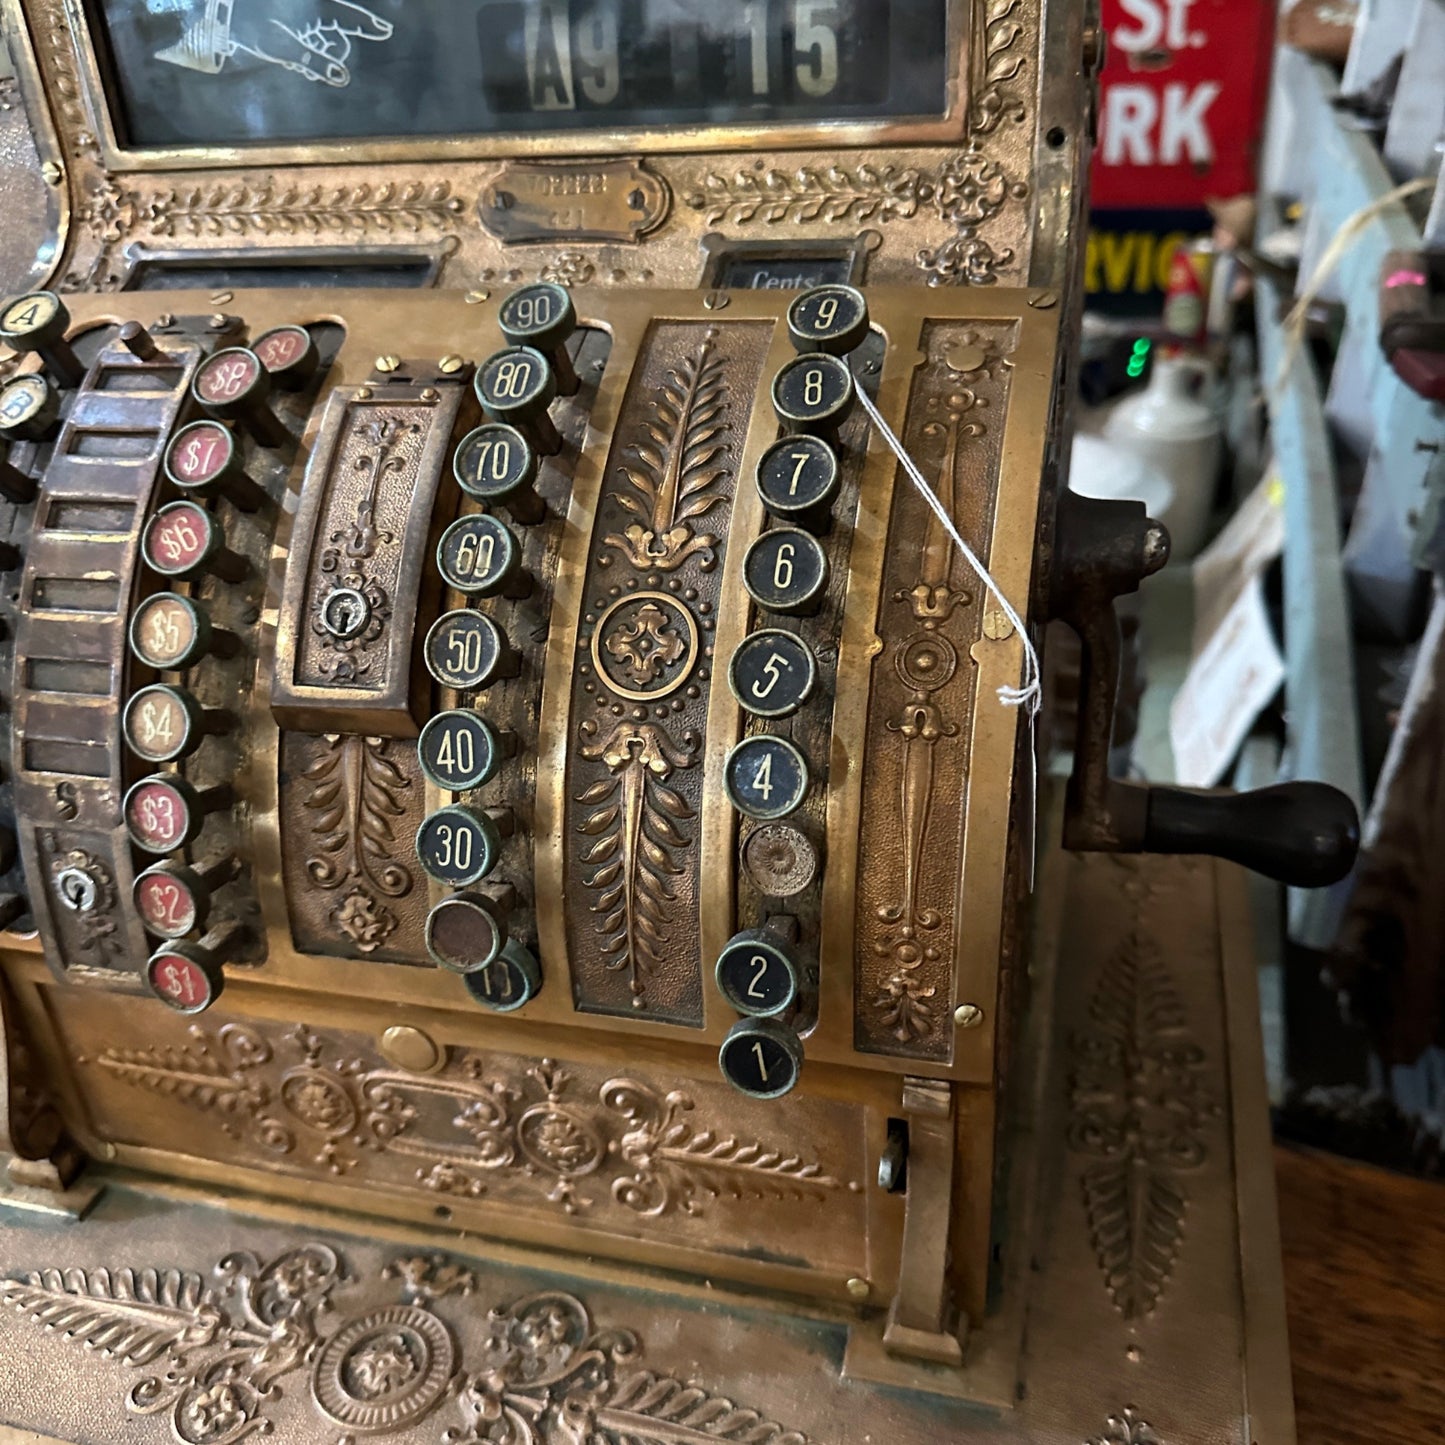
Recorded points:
(619, 200)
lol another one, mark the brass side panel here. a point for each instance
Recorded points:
(645, 656)
(593, 1155)
(919, 731)
(369, 513)
(350, 808)
(70, 768)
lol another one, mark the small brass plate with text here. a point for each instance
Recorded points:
(601, 200)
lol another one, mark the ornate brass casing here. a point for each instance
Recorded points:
(278, 961)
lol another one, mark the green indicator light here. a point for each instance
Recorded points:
(1135, 367)
(1141, 346)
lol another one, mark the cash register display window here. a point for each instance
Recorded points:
(184, 73)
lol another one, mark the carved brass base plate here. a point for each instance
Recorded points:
(1139, 1303)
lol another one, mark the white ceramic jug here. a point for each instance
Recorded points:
(1178, 434)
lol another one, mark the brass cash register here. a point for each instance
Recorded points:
(521, 925)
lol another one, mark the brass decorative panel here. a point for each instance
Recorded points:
(946, 201)
(919, 739)
(594, 1151)
(645, 658)
(350, 807)
(369, 511)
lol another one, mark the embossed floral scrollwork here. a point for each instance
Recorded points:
(971, 190)
(678, 466)
(569, 268)
(674, 1165)
(222, 1347)
(809, 193)
(355, 792)
(964, 259)
(634, 821)
(1139, 1105)
(992, 103)
(531, 1124)
(541, 1374)
(1127, 1428)
(219, 1074)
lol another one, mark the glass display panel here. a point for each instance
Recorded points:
(234, 72)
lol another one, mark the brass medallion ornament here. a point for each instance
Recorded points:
(645, 645)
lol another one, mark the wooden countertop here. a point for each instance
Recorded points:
(1364, 1270)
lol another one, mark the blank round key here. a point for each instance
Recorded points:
(460, 749)
(29, 409)
(517, 387)
(234, 385)
(772, 673)
(466, 932)
(479, 556)
(814, 394)
(511, 980)
(172, 633)
(174, 900)
(765, 777)
(786, 571)
(164, 812)
(183, 540)
(466, 649)
(497, 465)
(459, 845)
(798, 480)
(289, 355)
(203, 458)
(832, 318)
(761, 1058)
(542, 316)
(37, 322)
(757, 973)
(164, 723)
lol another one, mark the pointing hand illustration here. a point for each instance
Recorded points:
(309, 38)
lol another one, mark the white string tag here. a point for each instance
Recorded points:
(1029, 693)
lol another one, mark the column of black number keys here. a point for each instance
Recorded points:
(480, 556)
(773, 672)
